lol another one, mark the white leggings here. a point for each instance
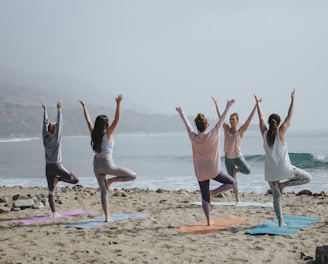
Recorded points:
(300, 177)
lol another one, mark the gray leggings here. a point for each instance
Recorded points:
(300, 177)
(104, 166)
(239, 163)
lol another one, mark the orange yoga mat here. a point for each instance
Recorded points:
(218, 224)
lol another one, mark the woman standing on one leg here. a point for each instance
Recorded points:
(55, 171)
(278, 170)
(102, 143)
(206, 157)
(234, 159)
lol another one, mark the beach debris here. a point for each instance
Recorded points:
(305, 257)
(4, 199)
(120, 193)
(321, 255)
(4, 210)
(20, 202)
(23, 203)
(304, 192)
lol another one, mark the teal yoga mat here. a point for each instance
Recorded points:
(100, 221)
(265, 204)
(294, 224)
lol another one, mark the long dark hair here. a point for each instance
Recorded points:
(101, 124)
(274, 122)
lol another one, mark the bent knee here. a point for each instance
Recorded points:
(75, 181)
(247, 172)
(309, 177)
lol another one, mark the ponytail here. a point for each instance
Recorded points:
(274, 121)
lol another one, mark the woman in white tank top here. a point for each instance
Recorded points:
(279, 172)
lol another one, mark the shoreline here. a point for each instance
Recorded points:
(155, 239)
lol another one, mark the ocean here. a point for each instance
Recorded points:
(161, 161)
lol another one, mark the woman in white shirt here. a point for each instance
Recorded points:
(279, 172)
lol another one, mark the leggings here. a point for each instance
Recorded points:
(239, 163)
(104, 166)
(300, 177)
(228, 183)
(57, 170)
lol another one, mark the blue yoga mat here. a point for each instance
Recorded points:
(100, 221)
(294, 224)
(265, 204)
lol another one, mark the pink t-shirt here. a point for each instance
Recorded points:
(205, 150)
(232, 144)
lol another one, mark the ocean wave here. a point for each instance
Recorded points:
(16, 140)
(309, 160)
(302, 160)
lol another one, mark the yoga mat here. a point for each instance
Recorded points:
(294, 224)
(218, 223)
(265, 204)
(100, 221)
(32, 220)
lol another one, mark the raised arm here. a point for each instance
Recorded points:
(261, 116)
(184, 118)
(285, 125)
(112, 127)
(216, 102)
(245, 126)
(86, 116)
(45, 119)
(59, 126)
(224, 114)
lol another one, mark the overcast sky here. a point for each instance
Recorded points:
(164, 53)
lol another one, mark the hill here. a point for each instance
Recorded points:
(21, 121)
(21, 112)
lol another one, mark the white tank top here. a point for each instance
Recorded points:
(277, 162)
(106, 146)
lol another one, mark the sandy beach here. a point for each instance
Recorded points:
(155, 239)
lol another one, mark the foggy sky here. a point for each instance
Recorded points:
(165, 53)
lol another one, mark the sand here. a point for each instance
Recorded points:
(155, 239)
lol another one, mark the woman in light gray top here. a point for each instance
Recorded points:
(279, 172)
(102, 143)
(55, 171)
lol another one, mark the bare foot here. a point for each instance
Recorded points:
(108, 182)
(210, 222)
(107, 220)
(283, 224)
(281, 187)
(55, 215)
(238, 202)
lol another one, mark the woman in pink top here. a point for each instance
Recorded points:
(234, 159)
(206, 157)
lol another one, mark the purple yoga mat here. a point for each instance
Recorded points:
(32, 220)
